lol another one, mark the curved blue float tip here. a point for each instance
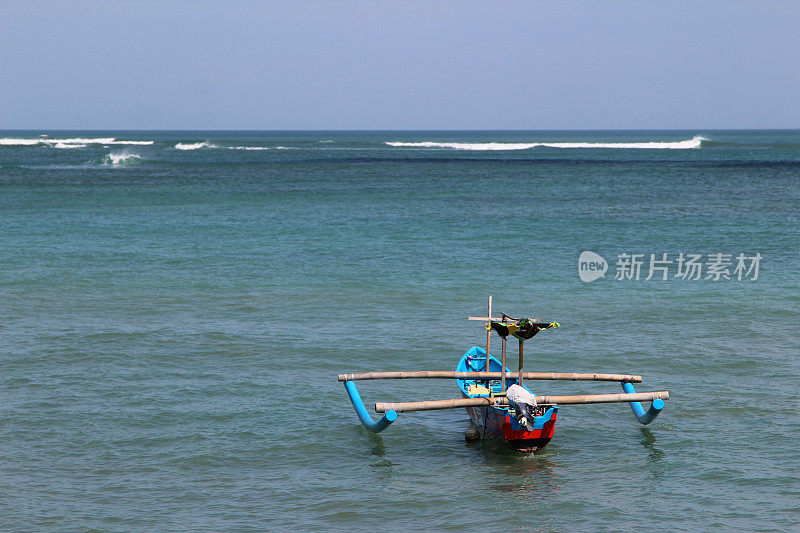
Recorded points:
(644, 417)
(363, 414)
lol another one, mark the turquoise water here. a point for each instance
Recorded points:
(172, 322)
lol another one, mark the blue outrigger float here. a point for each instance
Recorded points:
(496, 399)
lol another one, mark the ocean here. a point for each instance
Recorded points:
(175, 307)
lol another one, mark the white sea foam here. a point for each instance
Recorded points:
(74, 141)
(98, 140)
(466, 146)
(78, 140)
(695, 142)
(18, 142)
(119, 159)
(263, 148)
(138, 143)
(194, 146)
(62, 145)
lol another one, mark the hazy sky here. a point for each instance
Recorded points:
(399, 65)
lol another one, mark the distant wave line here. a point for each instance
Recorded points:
(195, 146)
(67, 145)
(61, 143)
(694, 142)
(10, 141)
(262, 148)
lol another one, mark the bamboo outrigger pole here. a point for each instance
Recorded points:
(450, 374)
(541, 400)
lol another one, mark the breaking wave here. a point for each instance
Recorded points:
(262, 148)
(139, 143)
(249, 148)
(694, 142)
(61, 143)
(120, 159)
(18, 142)
(194, 146)
(63, 146)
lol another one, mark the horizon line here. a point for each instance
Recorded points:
(394, 130)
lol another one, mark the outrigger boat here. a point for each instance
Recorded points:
(497, 400)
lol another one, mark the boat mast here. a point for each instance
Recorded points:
(488, 334)
(503, 368)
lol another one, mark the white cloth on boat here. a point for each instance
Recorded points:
(518, 394)
(524, 403)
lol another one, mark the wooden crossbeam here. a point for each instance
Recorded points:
(449, 374)
(581, 399)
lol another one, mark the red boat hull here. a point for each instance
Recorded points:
(495, 422)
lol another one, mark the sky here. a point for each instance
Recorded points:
(417, 65)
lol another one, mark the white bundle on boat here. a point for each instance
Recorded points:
(524, 403)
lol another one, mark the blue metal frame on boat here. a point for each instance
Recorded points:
(363, 414)
(644, 417)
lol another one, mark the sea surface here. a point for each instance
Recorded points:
(175, 308)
